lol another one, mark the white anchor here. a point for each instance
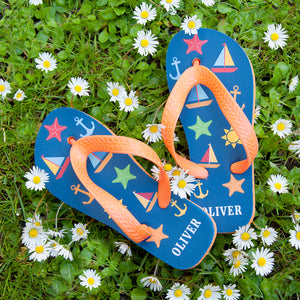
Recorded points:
(175, 63)
(89, 131)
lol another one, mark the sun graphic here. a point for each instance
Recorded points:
(231, 138)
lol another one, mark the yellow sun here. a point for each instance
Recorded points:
(231, 137)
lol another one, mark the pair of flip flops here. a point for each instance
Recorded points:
(91, 169)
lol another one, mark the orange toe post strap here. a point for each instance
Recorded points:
(80, 151)
(198, 74)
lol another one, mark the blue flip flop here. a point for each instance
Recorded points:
(181, 233)
(212, 87)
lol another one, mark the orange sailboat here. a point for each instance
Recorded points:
(209, 159)
(146, 199)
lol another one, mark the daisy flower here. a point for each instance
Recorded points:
(36, 220)
(175, 171)
(232, 254)
(282, 127)
(238, 266)
(294, 83)
(242, 238)
(268, 235)
(128, 102)
(295, 217)
(152, 282)
(256, 113)
(40, 252)
(66, 253)
(263, 261)
(182, 185)
(4, 88)
(35, 2)
(115, 90)
(155, 170)
(152, 133)
(79, 86)
(79, 232)
(191, 25)
(178, 292)
(208, 2)
(46, 62)
(19, 95)
(275, 36)
(123, 248)
(230, 292)
(295, 146)
(56, 233)
(145, 42)
(278, 183)
(210, 292)
(36, 179)
(90, 279)
(33, 235)
(144, 13)
(295, 237)
(54, 248)
(170, 5)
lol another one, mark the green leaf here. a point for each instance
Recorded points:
(103, 36)
(224, 9)
(85, 9)
(68, 270)
(127, 267)
(280, 72)
(119, 10)
(101, 2)
(295, 174)
(138, 294)
(108, 14)
(175, 20)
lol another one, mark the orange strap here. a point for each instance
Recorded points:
(198, 74)
(83, 147)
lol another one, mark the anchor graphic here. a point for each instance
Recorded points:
(201, 195)
(89, 131)
(77, 189)
(235, 92)
(175, 63)
(181, 211)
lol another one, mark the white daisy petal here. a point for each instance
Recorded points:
(123, 248)
(54, 248)
(65, 252)
(191, 25)
(90, 279)
(263, 261)
(79, 232)
(268, 235)
(56, 233)
(275, 36)
(19, 95)
(145, 42)
(36, 179)
(128, 102)
(210, 292)
(35, 2)
(293, 84)
(278, 184)
(144, 13)
(295, 217)
(256, 113)
(79, 86)
(208, 2)
(238, 266)
(115, 90)
(282, 127)
(232, 254)
(33, 235)
(46, 62)
(230, 292)
(39, 252)
(152, 133)
(152, 282)
(295, 237)
(4, 88)
(295, 147)
(182, 185)
(178, 292)
(170, 5)
(242, 238)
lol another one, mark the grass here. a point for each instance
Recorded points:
(93, 39)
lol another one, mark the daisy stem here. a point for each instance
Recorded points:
(155, 115)
(156, 267)
(72, 101)
(256, 225)
(37, 207)
(56, 216)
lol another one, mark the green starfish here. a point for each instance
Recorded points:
(200, 128)
(123, 176)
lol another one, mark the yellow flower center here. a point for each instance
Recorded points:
(237, 264)
(33, 233)
(266, 233)
(115, 92)
(207, 294)
(235, 254)
(54, 245)
(37, 223)
(19, 95)
(229, 292)
(152, 280)
(232, 136)
(128, 101)
(178, 293)
(261, 261)
(78, 88)
(80, 231)
(144, 43)
(169, 1)
(280, 126)
(277, 186)
(153, 128)
(274, 36)
(245, 236)
(36, 179)
(46, 64)
(2, 88)
(39, 249)
(191, 24)
(176, 173)
(298, 235)
(144, 14)
(297, 217)
(181, 184)
(91, 281)
(167, 167)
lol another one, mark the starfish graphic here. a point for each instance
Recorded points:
(123, 176)
(234, 185)
(54, 130)
(195, 44)
(200, 128)
(157, 235)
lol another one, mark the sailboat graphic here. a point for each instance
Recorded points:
(146, 199)
(99, 160)
(224, 63)
(197, 98)
(209, 159)
(57, 165)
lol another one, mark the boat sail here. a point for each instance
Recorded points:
(99, 160)
(209, 159)
(197, 98)
(57, 165)
(224, 63)
(146, 199)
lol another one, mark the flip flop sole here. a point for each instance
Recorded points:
(185, 231)
(227, 197)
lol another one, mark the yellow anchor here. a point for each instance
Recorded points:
(77, 189)
(201, 195)
(181, 211)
